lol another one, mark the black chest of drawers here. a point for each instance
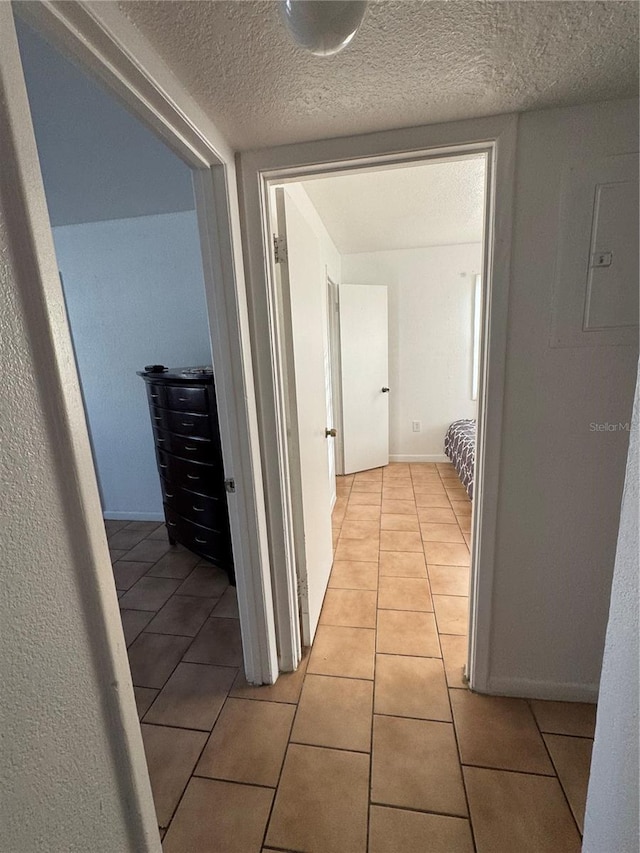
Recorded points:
(184, 419)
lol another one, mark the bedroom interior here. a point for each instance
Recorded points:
(406, 242)
(124, 233)
(124, 226)
(416, 233)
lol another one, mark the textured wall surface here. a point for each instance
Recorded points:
(135, 295)
(98, 161)
(430, 339)
(73, 774)
(60, 785)
(611, 820)
(561, 482)
(411, 63)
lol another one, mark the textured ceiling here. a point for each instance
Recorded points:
(411, 63)
(434, 204)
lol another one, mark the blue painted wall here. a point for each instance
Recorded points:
(98, 161)
(127, 244)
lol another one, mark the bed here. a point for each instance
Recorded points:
(460, 447)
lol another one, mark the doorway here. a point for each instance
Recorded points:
(481, 271)
(126, 237)
(97, 601)
(334, 398)
(210, 165)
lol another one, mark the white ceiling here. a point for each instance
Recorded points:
(411, 63)
(434, 204)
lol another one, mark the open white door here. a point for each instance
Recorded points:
(302, 281)
(364, 353)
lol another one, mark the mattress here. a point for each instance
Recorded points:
(460, 447)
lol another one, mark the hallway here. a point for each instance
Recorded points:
(375, 744)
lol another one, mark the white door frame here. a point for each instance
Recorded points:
(257, 171)
(333, 322)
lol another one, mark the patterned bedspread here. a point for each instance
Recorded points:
(460, 447)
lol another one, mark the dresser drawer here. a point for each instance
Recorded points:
(181, 423)
(156, 395)
(207, 511)
(213, 544)
(185, 399)
(185, 423)
(188, 447)
(196, 476)
(158, 417)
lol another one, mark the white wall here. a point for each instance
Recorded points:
(330, 255)
(430, 339)
(561, 483)
(611, 820)
(135, 296)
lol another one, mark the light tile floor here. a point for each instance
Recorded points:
(374, 745)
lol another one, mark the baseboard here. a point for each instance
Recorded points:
(133, 516)
(525, 688)
(429, 457)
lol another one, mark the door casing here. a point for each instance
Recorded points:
(258, 171)
(299, 280)
(333, 322)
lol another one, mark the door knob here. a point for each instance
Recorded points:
(385, 390)
(330, 433)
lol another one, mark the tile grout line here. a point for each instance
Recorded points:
(284, 758)
(322, 746)
(509, 770)
(197, 761)
(373, 697)
(468, 818)
(560, 734)
(326, 746)
(142, 719)
(454, 729)
(191, 776)
(297, 705)
(182, 660)
(420, 811)
(165, 829)
(232, 781)
(555, 769)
